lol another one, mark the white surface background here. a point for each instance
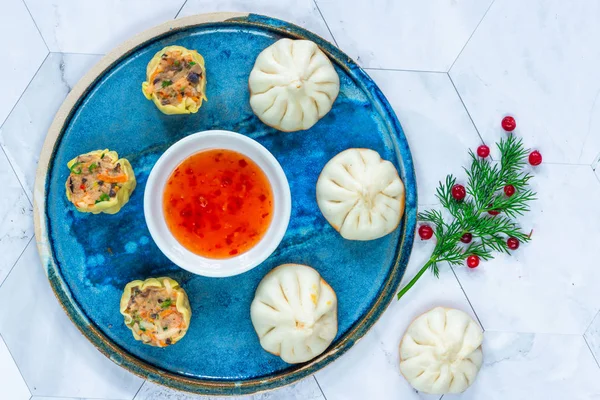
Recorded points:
(451, 69)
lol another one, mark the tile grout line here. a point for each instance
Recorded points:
(596, 175)
(181, 8)
(17, 176)
(471, 36)
(24, 90)
(8, 116)
(590, 349)
(465, 107)
(467, 297)
(139, 389)
(319, 385)
(17, 260)
(36, 25)
(591, 322)
(326, 24)
(13, 357)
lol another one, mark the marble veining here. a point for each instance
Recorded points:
(23, 133)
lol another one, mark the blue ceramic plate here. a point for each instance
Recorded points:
(89, 258)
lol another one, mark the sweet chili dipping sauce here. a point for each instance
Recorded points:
(218, 203)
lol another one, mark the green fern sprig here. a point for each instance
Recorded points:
(485, 185)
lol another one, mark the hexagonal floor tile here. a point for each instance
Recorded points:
(306, 389)
(16, 225)
(13, 385)
(549, 285)
(300, 12)
(375, 358)
(23, 133)
(53, 356)
(27, 51)
(435, 123)
(592, 337)
(73, 26)
(403, 34)
(537, 60)
(534, 367)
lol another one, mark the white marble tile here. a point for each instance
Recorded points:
(436, 125)
(306, 389)
(53, 356)
(300, 12)
(16, 225)
(60, 398)
(592, 337)
(26, 52)
(403, 34)
(95, 27)
(526, 366)
(24, 132)
(537, 60)
(12, 385)
(370, 369)
(549, 285)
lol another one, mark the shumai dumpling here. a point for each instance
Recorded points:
(176, 80)
(156, 310)
(100, 182)
(360, 194)
(294, 313)
(292, 85)
(441, 351)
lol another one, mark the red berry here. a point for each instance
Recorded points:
(483, 151)
(458, 192)
(509, 124)
(509, 190)
(466, 238)
(426, 232)
(512, 243)
(535, 158)
(472, 261)
(493, 212)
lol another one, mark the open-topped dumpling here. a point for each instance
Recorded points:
(360, 194)
(294, 313)
(156, 310)
(99, 182)
(176, 80)
(292, 85)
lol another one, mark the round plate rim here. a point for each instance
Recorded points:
(121, 356)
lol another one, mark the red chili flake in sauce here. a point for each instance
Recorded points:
(221, 207)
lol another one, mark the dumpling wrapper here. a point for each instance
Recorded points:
(294, 313)
(182, 303)
(292, 85)
(115, 204)
(360, 195)
(441, 351)
(188, 105)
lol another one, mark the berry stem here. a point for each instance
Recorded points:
(414, 280)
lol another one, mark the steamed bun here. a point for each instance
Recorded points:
(441, 351)
(292, 85)
(294, 313)
(360, 194)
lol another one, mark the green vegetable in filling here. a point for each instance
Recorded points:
(166, 303)
(166, 83)
(92, 167)
(76, 170)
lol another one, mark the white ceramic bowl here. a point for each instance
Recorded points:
(153, 203)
